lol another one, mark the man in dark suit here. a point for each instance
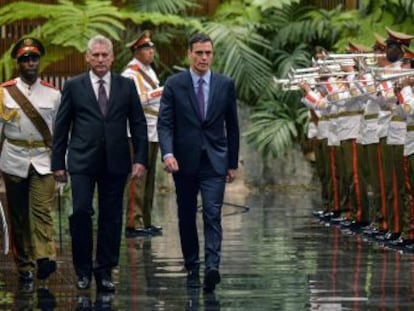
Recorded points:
(199, 139)
(92, 124)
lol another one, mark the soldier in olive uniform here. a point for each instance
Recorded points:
(140, 194)
(27, 111)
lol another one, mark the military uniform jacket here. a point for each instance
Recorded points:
(18, 151)
(150, 98)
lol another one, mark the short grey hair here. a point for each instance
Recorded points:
(99, 39)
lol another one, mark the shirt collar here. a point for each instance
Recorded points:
(95, 78)
(195, 77)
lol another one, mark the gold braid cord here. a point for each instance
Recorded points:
(6, 114)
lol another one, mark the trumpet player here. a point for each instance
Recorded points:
(317, 133)
(392, 141)
(405, 97)
(349, 116)
(372, 151)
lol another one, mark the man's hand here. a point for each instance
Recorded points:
(231, 175)
(60, 176)
(170, 164)
(138, 170)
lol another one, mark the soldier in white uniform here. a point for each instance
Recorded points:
(28, 107)
(140, 194)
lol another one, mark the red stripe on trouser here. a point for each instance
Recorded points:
(384, 224)
(357, 182)
(334, 180)
(410, 199)
(131, 205)
(395, 202)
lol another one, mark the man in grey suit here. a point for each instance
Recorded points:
(92, 124)
(199, 139)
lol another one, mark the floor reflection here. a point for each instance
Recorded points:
(276, 256)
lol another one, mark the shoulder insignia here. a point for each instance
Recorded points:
(46, 83)
(8, 83)
(134, 67)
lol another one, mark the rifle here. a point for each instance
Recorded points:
(5, 229)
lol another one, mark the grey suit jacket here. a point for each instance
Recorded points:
(183, 133)
(90, 137)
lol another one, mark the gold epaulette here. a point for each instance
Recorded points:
(6, 114)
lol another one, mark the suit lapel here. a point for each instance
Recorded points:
(87, 85)
(213, 89)
(114, 87)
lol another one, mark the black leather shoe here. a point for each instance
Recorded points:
(211, 279)
(389, 236)
(318, 213)
(193, 278)
(136, 232)
(83, 283)
(45, 267)
(26, 276)
(84, 304)
(26, 284)
(45, 299)
(154, 230)
(105, 285)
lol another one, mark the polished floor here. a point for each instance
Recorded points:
(275, 256)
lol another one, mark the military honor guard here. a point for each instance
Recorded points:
(140, 194)
(28, 107)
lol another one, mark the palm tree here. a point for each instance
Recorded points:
(67, 26)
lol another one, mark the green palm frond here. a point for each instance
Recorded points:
(237, 56)
(276, 125)
(285, 60)
(156, 18)
(162, 6)
(16, 11)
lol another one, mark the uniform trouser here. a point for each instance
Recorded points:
(30, 203)
(393, 168)
(334, 186)
(354, 183)
(320, 147)
(372, 168)
(140, 193)
(410, 210)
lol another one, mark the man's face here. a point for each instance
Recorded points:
(100, 59)
(28, 66)
(145, 55)
(201, 57)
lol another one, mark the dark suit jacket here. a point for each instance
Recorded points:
(81, 125)
(183, 133)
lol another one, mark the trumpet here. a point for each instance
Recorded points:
(355, 55)
(401, 75)
(330, 67)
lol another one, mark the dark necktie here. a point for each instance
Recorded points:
(200, 97)
(102, 98)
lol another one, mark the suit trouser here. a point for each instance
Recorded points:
(211, 186)
(29, 202)
(110, 196)
(393, 167)
(140, 193)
